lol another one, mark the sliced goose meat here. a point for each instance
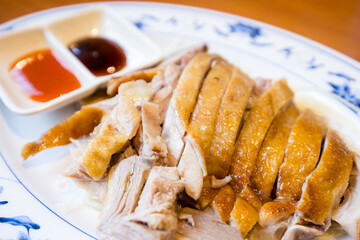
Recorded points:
(251, 197)
(202, 123)
(173, 137)
(153, 145)
(302, 155)
(156, 206)
(125, 183)
(119, 229)
(195, 224)
(164, 84)
(80, 124)
(117, 129)
(146, 75)
(323, 189)
(191, 168)
(218, 158)
(272, 153)
(243, 216)
(274, 99)
(206, 111)
(275, 212)
(182, 104)
(208, 193)
(253, 132)
(224, 202)
(154, 217)
(350, 204)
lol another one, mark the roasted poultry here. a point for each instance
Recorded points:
(196, 149)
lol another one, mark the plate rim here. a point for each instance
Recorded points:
(8, 25)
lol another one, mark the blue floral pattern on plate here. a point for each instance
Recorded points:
(23, 221)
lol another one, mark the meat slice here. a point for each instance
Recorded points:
(117, 129)
(164, 84)
(154, 217)
(302, 155)
(191, 168)
(350, 204)
(208, 193)
(195, 224)
(218, 158)
(243, 216)
(146, 75)
(125, 230)
(253, 132)
(80, 124)
(125, 183)
(182, 104)
(153, 145)
(272, 152)
(156, 207)
(202, 125)
(224, 202)
(202, 122)
(322, 190)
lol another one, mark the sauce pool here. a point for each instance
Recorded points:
(41, 77)
(101, 56)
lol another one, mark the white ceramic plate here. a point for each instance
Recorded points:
(35, 197)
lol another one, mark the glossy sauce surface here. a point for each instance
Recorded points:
(101, 56)
(41, 77)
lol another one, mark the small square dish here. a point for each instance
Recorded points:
(105, 23)
(56, 37)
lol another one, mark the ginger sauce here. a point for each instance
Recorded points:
(41, 77)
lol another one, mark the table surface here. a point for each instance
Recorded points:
(331, 22)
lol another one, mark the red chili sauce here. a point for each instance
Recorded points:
(41, 77)
(101, 56)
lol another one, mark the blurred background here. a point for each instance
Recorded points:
(335, 23)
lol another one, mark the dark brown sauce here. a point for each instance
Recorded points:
(41, 77)
(101, 56)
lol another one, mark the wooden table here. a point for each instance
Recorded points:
(331, 22)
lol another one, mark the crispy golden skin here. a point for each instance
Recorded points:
(243, 216)
(218, 158)
(272, 213)
(80, 124)
(251, 197)
(147, 75)
(302, 154)
(223, 202)
(253, 132)
(187, 90)
(102, 147)
(207, 194)
(328, 181)
(272, 152)
(117, 129)
(202, 123)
